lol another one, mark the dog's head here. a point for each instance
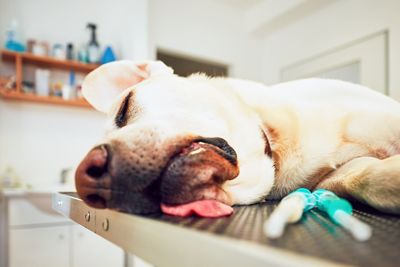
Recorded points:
(171, 140)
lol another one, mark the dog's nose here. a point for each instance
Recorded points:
(92, 181)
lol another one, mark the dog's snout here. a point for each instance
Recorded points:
(116, 175)
(92, 179)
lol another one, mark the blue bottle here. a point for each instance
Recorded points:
(108, 55)
(12, 42)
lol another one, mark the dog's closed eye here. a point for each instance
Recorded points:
(121, 118)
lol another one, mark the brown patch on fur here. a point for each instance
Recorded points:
(334, 185)
(318, 175)
(267, 149)
(276, 154)
(142, 67)
(283, 134)
(381, 153)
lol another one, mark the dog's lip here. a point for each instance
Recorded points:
(230, 156)
(220, 146)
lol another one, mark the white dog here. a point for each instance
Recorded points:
(176, 140)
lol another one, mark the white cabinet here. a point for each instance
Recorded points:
(61, 246)
(38, 237)
(40, 247)
(33, 211)
(89, 249)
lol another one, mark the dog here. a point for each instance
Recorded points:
(173, 140)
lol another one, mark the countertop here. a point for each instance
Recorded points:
(238, 240)
(20, 192)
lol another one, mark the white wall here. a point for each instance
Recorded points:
(206, 28)
(339, 23)
(121, 23)
(40, 140)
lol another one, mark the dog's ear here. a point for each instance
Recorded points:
(104, 84)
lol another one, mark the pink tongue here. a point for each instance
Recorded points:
(203, 208)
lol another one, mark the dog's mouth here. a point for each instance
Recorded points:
(192, 180)
(186, 178)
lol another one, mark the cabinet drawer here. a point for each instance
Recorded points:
(89, 249)
(40, 247)
(33, 210)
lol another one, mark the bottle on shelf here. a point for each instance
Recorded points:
(13, 41)
(68, 90)
(93, 46)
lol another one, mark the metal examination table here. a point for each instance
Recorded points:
(238, 240)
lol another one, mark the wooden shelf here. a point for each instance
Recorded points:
(17, 96)
(47, 62)
(22, 59)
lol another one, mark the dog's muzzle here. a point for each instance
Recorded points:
(138, 180)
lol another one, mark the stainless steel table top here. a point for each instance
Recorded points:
(238, 240)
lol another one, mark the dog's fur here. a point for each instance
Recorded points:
(312, 133)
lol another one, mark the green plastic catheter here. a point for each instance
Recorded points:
(289, 210)
(340, 210)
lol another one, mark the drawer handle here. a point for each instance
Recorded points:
(87, 216)
(105, 225)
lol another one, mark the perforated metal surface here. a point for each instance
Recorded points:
(314, 235)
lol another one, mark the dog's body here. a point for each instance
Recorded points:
(330, 134)
(310, 133)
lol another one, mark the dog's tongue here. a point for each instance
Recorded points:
(203, 208)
